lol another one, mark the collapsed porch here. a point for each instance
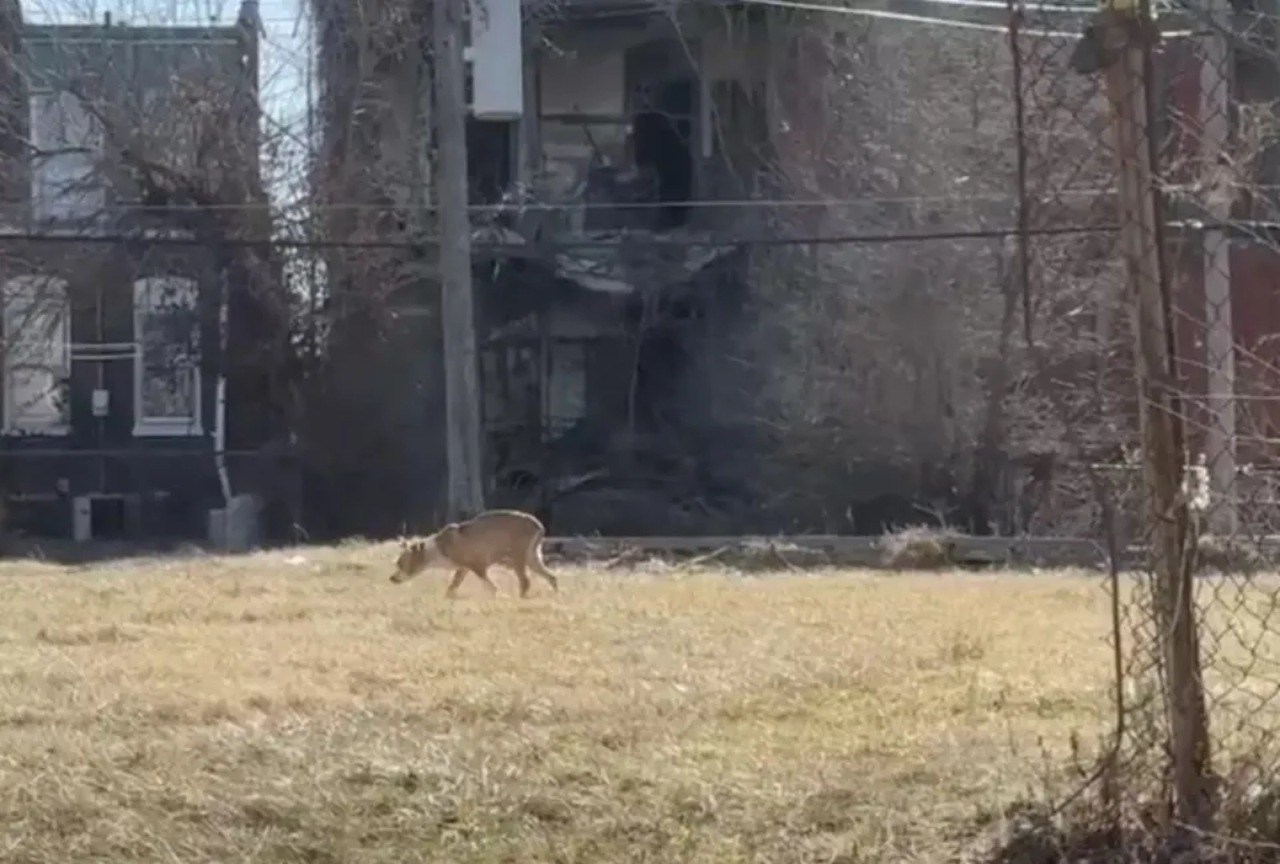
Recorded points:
(609, 283)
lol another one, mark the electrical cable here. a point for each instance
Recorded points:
(923, 19)
(630, 242)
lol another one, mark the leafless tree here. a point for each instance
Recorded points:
(900, 368)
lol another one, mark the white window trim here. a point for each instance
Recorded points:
(12, 425)
(162, 426)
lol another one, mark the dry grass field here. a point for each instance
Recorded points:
(297, 707)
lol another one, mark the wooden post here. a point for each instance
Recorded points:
(1220, 436)
(462, 391)
(1128, 35)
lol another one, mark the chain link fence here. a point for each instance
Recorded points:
(1163, 289)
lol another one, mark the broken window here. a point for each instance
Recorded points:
(37, 330)
(575, 146)
(566, 387)
(167, 363)
(662, 144)
(489, 159)
(68, 143)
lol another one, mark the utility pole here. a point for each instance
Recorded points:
(462, 391)
(1220, 436)
(1126, 33)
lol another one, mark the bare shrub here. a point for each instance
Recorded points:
(900, 367)
(920, 548)
(1229, 554)
(1092, 828)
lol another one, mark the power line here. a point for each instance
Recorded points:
(127, 22)
(1060, 8)
(1244, 228)
(1086, 8)
(924, 19)
(287, 209)
(816, 240)
(284, 210)
(647, 241)
(903, 16)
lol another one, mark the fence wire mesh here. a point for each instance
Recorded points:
(1153, 334)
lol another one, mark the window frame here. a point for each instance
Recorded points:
(182, 427)
(566, 381)
(13, 424)
(88, 193)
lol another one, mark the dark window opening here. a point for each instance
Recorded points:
(664, 356)
(664, 359)
(489, 168)
(663, 136)
(108, 519)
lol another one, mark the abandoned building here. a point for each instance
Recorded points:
(609, 145)
(117, 397)
(605, 301)
(609, 302)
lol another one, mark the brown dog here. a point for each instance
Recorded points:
(508, 537)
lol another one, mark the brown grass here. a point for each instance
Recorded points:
(253, 709)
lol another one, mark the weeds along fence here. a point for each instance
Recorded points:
(1152, 325)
